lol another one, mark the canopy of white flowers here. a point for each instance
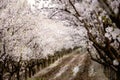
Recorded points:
(27, 30)
(32, 35)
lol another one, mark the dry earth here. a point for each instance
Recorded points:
(74, 66)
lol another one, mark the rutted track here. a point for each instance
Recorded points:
(62, 69)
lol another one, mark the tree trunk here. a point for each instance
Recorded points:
(1, 71)
(18, 77)
(29, 71)
(18, 73)
(1, 76)
(25, 73)
(118, 74)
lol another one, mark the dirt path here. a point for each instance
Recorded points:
(73, 66)
(65, 68)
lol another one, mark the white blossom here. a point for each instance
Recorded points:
(115, 62)
(75, 70)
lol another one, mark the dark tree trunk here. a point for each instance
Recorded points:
(18, 73)
(1, 71)
(118, 74)
(25, 73)
(1, 76)
(29, 71)
(18, 76)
